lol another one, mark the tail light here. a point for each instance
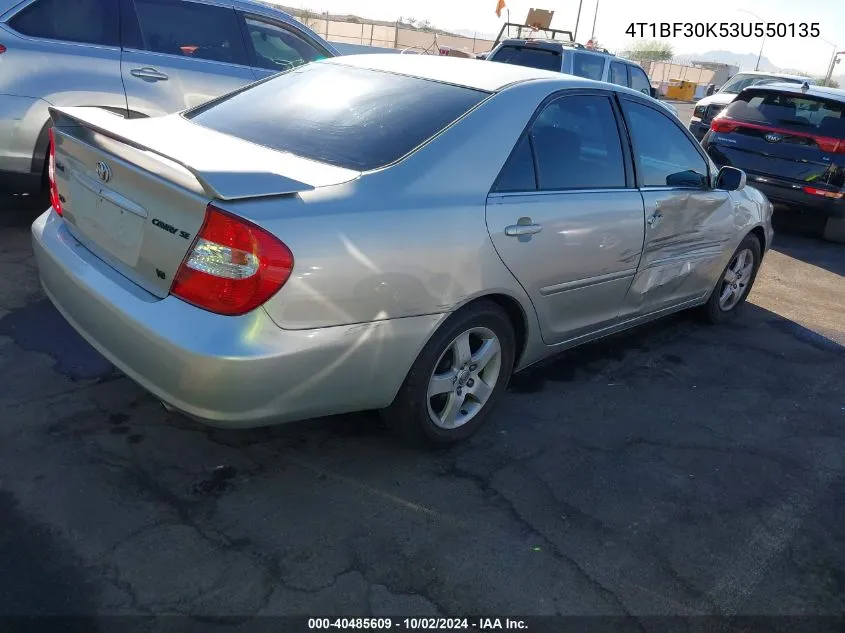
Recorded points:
(826, 144)
(830, 145)
(55, 198)
(723, 125)
(233, 266)
(2, 49)
(836, 195)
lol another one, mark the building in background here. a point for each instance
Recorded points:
(721, 72)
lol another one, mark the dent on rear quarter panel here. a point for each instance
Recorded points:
(408, 240)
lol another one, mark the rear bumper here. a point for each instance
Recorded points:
(234, 372)
(789, 195)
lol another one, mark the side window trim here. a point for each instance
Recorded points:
(290, 28)
(631, 183)
(15, 11)
(637, 171)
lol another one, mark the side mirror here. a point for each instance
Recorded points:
(730, 179)
(655, 94)
(689, 178)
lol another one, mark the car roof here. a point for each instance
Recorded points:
(814, 91)
(774, 74)
(475, 74)
(553, 44)
(471, 73)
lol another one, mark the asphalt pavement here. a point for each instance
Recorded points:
(679, 469)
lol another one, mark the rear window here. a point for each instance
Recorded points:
(348, 117)
(805, 114)
(739, 82)
(533, 57)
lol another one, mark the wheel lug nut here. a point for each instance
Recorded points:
(460, 391)
(473, 367)
(470, 382)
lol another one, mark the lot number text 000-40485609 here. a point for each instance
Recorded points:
(723, 29)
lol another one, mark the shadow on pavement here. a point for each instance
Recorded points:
(811, 250)
(19, 210)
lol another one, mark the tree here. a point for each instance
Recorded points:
(309, 18)
(649, 51)
(832, 83)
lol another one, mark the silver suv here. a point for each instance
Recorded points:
(137, 58)
(575, 59)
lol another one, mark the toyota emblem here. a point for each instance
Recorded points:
(773, 138)
(103, 171)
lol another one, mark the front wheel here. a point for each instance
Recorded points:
(736, 281)
(458, 377)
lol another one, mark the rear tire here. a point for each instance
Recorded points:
(735, 282)
(834, 230)
(458, 378)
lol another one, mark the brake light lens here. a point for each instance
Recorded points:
(55, 199)
(836, 195)
(830, 145)
(233, 266)
(826, 144)
(2, 49)
(723, 126)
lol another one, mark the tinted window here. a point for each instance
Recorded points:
(527, 56)
(350, 117)
(618, 73)
(189, 29)
(639, 80)
(589, 66)
(738, 82)
(88, 21)
(664, 154)
(577, 145)
(518, 174)
(277, 48)
(803, 114)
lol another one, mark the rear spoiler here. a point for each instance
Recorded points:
(227, 168)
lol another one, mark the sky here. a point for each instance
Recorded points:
(811, 55)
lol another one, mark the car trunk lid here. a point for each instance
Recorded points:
(135, 192)
(794, 138)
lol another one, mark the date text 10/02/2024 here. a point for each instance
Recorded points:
(723, 29)
(417, 624)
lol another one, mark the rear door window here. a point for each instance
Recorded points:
(276, 47)
(577, 146)
(87, 21)
(191, 29)
(531, 56)
(639, 80)
(349, 117)
(618, 73)
(588, 66)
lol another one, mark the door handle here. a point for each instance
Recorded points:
(148, 73)
(654, 220)
(515, 230)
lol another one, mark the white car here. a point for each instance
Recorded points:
(710, 106)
